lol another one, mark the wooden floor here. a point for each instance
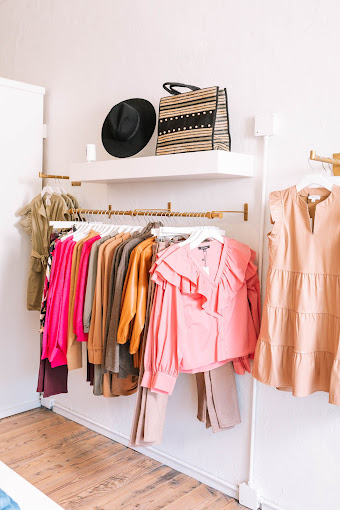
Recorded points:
(81, 469)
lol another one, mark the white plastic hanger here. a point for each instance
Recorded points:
(177, 231)
(125, 228)
(47, 190)
(83, 227)
(314, 181)
(200, 235)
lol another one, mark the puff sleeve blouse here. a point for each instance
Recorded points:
(206, 310)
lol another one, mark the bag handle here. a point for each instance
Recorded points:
(168, 86)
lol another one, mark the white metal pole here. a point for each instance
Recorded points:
(260, 272)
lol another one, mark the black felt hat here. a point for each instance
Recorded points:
(128, 127)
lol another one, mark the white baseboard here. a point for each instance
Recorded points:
(27, 406)
(152, 452)
(267, 505)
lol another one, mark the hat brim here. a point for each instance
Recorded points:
(147, 124)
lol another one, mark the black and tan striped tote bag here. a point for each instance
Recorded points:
(193, 121)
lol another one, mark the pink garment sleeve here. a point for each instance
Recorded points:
(241, 365)
(81, 289)
(254, 293)
(161, 359)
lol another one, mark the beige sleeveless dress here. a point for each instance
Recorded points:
(298, 348)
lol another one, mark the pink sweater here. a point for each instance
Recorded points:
(201, 318)
(81, 289)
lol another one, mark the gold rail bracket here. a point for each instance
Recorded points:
(335, 161)
(245, 212)
(336, 167)
(48, 176)
(219, 214)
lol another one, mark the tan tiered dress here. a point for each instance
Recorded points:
(298, 348)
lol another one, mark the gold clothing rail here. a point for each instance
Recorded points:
(160, 212)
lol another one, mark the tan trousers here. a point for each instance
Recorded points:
(141, 433)
(217, 398)
(217, 406)
(216, 391)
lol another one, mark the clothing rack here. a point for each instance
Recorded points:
(335, 161)
(161, 212)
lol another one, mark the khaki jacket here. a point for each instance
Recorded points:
(36, 217)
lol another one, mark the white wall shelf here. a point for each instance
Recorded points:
(187, 166)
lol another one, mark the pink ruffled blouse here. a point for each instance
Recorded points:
(206, 311)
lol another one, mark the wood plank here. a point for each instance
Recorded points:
(106, 495)
(23, 419)
(115, 464)
(162, 496)
(76, 444)
(28, 448)
(87, 488)
(31, 429)
(223, 502)
(197, 499)
(91, 460)
(85, 449)
(29, 438)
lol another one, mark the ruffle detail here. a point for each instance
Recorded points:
(303, 292)
(175, 266)
(276, 212)
(242, 365)
(300, 373)
(26, 221)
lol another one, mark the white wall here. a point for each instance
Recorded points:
(21, 121)
(272, 56)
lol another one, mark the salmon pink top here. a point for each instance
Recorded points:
(206, 310)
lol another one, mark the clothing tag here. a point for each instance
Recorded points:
(204, 248)
(313, 198)
(48, 200)
(206, 269)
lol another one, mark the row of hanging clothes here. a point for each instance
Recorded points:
(149, 303)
